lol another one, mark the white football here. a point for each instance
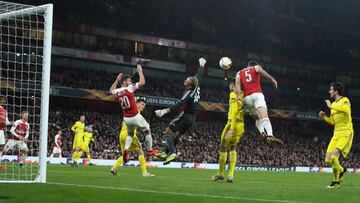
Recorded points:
(225, 63)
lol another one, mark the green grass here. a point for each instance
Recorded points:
(96, 184)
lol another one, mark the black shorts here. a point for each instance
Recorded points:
(182, 123)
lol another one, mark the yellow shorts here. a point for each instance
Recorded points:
(135, 145)
(236, 136)
(341, 141)
(80, 144)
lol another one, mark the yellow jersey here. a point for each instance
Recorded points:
(87, 137)
(236, 110)
(340, 115)
(78, 126)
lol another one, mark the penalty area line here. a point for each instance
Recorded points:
(176, 193)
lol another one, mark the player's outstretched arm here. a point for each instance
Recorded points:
(327, 119)
(183, 100)
(161, 112)
(238, 86)
(115, 84)
(200, 72)
(262, 72)
(7, 122)
(141, 75)
(343, 107)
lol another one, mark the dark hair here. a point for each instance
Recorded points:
(252, 63)
(2, 97)
(338, 86)
(24, 112)
(140, 100)
(124, 77)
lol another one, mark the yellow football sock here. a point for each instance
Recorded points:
(232, 162)
(88, 158)
(142, 162)
(118, 162)
(222, 162)
(337, 168)
(74, 155)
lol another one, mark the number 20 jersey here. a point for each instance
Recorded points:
(250, 80)
(126, 98)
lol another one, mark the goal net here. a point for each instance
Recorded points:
(25, 53)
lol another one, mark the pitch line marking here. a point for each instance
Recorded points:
(176, 193)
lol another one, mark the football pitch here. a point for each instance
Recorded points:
(96, 184)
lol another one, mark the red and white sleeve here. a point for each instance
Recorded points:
(133, 88)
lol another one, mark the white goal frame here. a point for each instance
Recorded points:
(45, 86)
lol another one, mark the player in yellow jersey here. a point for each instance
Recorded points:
(78, 129)
(340, 118)
(82, 145)
(88, 137)
(232, 133)
(134, 147)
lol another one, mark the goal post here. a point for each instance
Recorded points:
(25, 59)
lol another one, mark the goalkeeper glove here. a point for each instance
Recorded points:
(161, 113)
(202, 62)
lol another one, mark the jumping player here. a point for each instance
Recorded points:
(134, 147)
(132, 117)
(184, 121)
(248, 80)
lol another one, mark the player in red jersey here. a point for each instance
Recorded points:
(3, 122)
(57, 146)
(19, 134)
(248, 80)
(132, 117)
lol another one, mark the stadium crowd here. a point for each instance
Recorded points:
(281, 33)
(305, 145)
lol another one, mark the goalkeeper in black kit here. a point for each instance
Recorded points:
(187, 116)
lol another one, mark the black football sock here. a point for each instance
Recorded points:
(170, 144)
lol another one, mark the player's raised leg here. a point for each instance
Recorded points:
(169, 136)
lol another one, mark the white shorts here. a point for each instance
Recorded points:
(15, 144)
(254, 101)
(136, 122)
(2, 137)
(56, 150)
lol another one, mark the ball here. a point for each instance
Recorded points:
(225, 63)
